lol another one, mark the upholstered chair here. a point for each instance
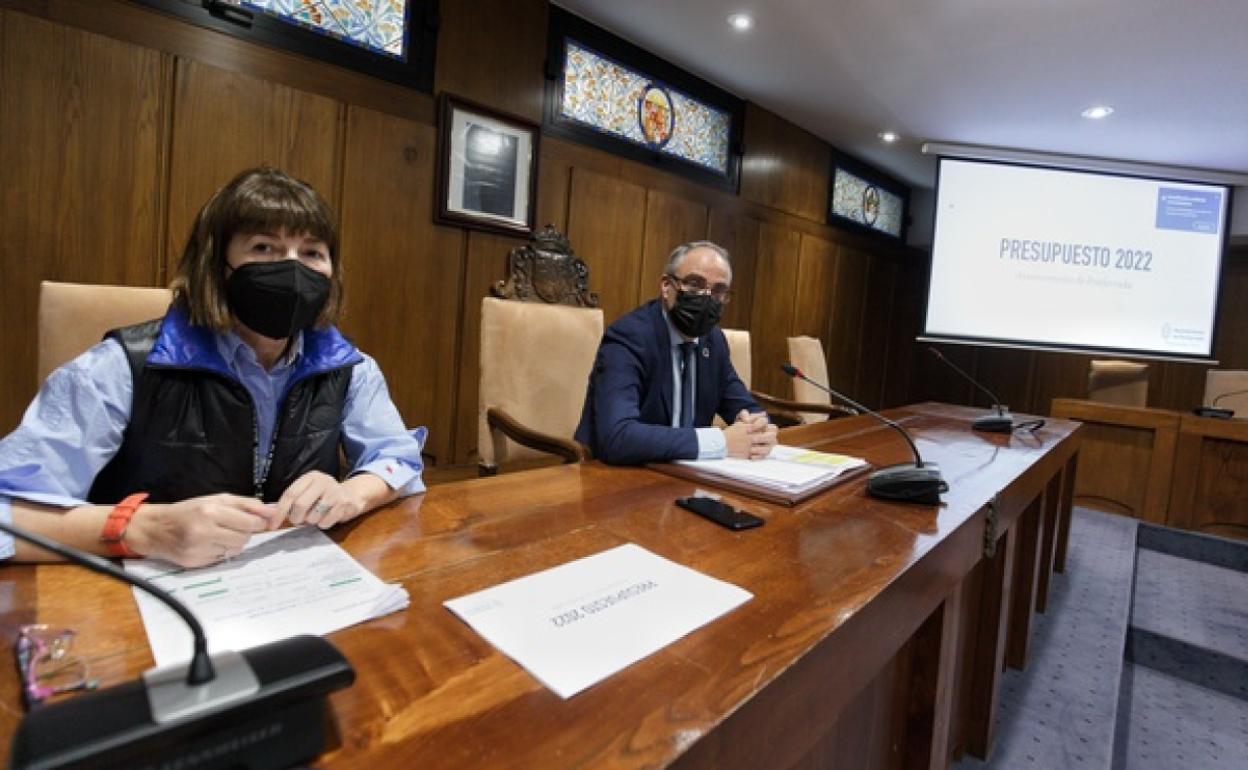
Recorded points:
(539, 334)
(1227, 389)
(75, 316)
(1124, 383)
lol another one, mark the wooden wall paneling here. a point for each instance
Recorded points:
(1059, 375)
(606, 224)
(670, 221)
(485, 263)
(771, 314)
(1008, 374)
(784, 167)
(878, 329)
(845, 336)
(816, 290)
(910, 289)
(225, 122)
(129, 22)
(554, 184)
(403, 272)
(738, 234)
(934, 379)
(493, 52)
(81, 119)
(1230, 346)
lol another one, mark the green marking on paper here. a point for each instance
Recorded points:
(344, 582)
(218, 592)
(205, 583)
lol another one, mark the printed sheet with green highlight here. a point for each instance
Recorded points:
(285, 583)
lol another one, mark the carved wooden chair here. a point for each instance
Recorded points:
(75, 316)
(540, 331)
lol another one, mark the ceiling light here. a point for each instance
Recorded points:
(1098, 112)
(741, 21)
(888, 137)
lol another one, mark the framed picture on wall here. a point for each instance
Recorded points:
(487, 168)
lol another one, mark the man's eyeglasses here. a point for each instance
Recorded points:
(47, 665)
(696, 284)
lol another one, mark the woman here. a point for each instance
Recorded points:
(181, 437)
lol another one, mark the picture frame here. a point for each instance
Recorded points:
(487, 168)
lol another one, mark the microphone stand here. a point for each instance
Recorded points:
(1002, 421)
(917, 482)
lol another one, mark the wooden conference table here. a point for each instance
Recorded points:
(876, 635)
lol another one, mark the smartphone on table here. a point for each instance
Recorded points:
(719, 512)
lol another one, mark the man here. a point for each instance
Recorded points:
(663, 373)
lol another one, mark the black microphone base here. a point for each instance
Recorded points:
(279, 725)
(1213, 411)
(994, 423)
(908, 483)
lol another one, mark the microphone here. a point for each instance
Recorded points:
(259, 708)
(1214, 411)
(917, 482)
(1002, 421)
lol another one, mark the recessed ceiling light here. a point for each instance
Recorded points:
(888, 137)
(741, 21)
(1098, 112)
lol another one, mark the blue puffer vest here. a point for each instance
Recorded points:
(192, 427)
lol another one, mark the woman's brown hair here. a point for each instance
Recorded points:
(259, 200)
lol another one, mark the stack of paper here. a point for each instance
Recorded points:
(285, 583)
(792, 470)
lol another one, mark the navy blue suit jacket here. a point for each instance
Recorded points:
(628, 406)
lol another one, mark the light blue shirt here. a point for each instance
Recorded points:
(711, 444)
(76, 423)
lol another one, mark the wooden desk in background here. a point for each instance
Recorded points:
(875, 638)
(1163, 466)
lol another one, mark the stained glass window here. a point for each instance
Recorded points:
(391, 39)
(609, 97)
(867, 203)
(377, 25)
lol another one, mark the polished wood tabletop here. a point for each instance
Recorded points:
(839, 584)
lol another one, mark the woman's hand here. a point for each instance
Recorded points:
(199, 531)
(320, 499)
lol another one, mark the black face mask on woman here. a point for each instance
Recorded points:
(694, 314)
(276, 298)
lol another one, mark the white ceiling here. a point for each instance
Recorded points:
(1006, 73)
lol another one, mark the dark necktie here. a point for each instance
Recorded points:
(687, 363)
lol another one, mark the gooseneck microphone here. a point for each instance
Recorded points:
(917, 482)
(1002, 421)
(261, 708)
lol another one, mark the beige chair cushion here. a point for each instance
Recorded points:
(806, 353)
(75, 316)
(739, 353)
(535, 364)
(1118, 382)
(1223, 381)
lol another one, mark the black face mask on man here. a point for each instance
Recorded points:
(694, 314)
(276, 298)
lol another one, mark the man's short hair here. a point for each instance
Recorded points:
(680, 251)
(257, 200)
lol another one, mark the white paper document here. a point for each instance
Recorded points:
(787, 468)
(285, 583)
(574, 625)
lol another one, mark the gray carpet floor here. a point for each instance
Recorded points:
(1060, 712)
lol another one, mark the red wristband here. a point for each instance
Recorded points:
(115, 526)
